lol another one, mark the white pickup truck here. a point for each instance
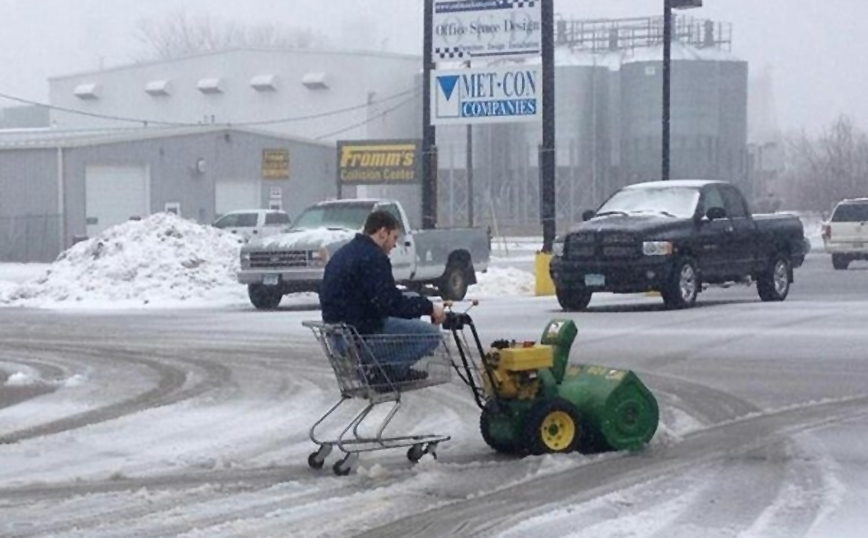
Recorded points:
(291, 262)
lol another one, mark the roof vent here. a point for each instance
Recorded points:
(209, 85)
(157, 87)
(264, 83)
(87, 91)
(315, 81)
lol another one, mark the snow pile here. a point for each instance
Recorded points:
(502, 281)
(23, 379)
(161, 259)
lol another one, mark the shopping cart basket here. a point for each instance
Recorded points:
(368, 367)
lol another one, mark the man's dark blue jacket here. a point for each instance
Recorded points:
(358, 289)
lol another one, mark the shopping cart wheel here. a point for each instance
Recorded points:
(416, 452)
(317, 459)
(345, 465)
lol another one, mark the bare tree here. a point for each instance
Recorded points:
(824, 170)
(179, 34)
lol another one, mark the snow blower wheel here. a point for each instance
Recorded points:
(552, 427)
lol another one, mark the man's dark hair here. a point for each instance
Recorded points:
(380, 219)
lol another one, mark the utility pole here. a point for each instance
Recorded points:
(429, 134)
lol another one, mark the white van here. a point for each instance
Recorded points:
(845, 234)
(250, 223)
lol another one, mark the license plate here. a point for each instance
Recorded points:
(595, 280)
(271, 280)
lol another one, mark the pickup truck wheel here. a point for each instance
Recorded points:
(774, 283)
(264, 297)
(839, 262)
(573, 300)
(683, 285)
(453, 283)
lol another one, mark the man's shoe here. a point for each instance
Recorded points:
(415, 375)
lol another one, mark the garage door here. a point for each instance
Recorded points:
(115, 194)
(236, 194)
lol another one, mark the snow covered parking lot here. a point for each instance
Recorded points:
(188, 415)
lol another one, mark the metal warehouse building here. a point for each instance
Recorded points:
(59, 186)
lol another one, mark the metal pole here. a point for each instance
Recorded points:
(469, 167)
(667, 56)
(547, 158)
(429, 134)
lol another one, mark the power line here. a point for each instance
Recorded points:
(94, 114)
(331, 113)
(147, 122)
(369, 120)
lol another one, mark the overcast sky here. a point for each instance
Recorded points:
(814, 47)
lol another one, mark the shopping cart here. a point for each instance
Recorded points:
(367, 367)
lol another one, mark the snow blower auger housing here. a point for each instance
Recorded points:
(534, 402)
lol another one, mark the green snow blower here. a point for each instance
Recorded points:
(533, 402)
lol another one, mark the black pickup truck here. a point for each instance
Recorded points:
(675, 237)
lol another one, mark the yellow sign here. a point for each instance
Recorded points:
(275, 164)
(379, 161)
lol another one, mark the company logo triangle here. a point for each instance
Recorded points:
(447, 85)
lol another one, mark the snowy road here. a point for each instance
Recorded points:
(194, 423)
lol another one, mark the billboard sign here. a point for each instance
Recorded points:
(491, 95)
(475, 29)
(378, 162)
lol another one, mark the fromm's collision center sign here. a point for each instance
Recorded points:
(371, 162)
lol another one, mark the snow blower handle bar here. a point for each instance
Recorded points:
(456, 322)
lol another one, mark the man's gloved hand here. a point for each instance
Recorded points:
(438, 315)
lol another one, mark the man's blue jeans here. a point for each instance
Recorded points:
(414, 339)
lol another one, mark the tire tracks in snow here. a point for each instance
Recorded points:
(170, 387)
(494, 512)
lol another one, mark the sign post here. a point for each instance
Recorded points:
(548, 163)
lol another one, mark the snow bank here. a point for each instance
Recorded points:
(161, 259)
(502, 281)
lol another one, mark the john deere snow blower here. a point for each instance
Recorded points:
(533, 402)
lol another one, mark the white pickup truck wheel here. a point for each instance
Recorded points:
(453, 283)
(264, 297)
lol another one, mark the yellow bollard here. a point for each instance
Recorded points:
(544, 283)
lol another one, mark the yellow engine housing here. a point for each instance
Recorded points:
(514, 370)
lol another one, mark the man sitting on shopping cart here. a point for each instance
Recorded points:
(358, 289)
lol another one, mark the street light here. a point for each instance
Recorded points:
(668, 6)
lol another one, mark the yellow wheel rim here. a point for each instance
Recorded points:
(557, 431)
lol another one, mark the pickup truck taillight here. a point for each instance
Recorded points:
(827, 231)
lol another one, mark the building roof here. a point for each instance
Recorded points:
(51, 138)
(311, 51)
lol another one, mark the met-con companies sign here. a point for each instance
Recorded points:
(372, 162)
(473, 29)
(489, 95)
